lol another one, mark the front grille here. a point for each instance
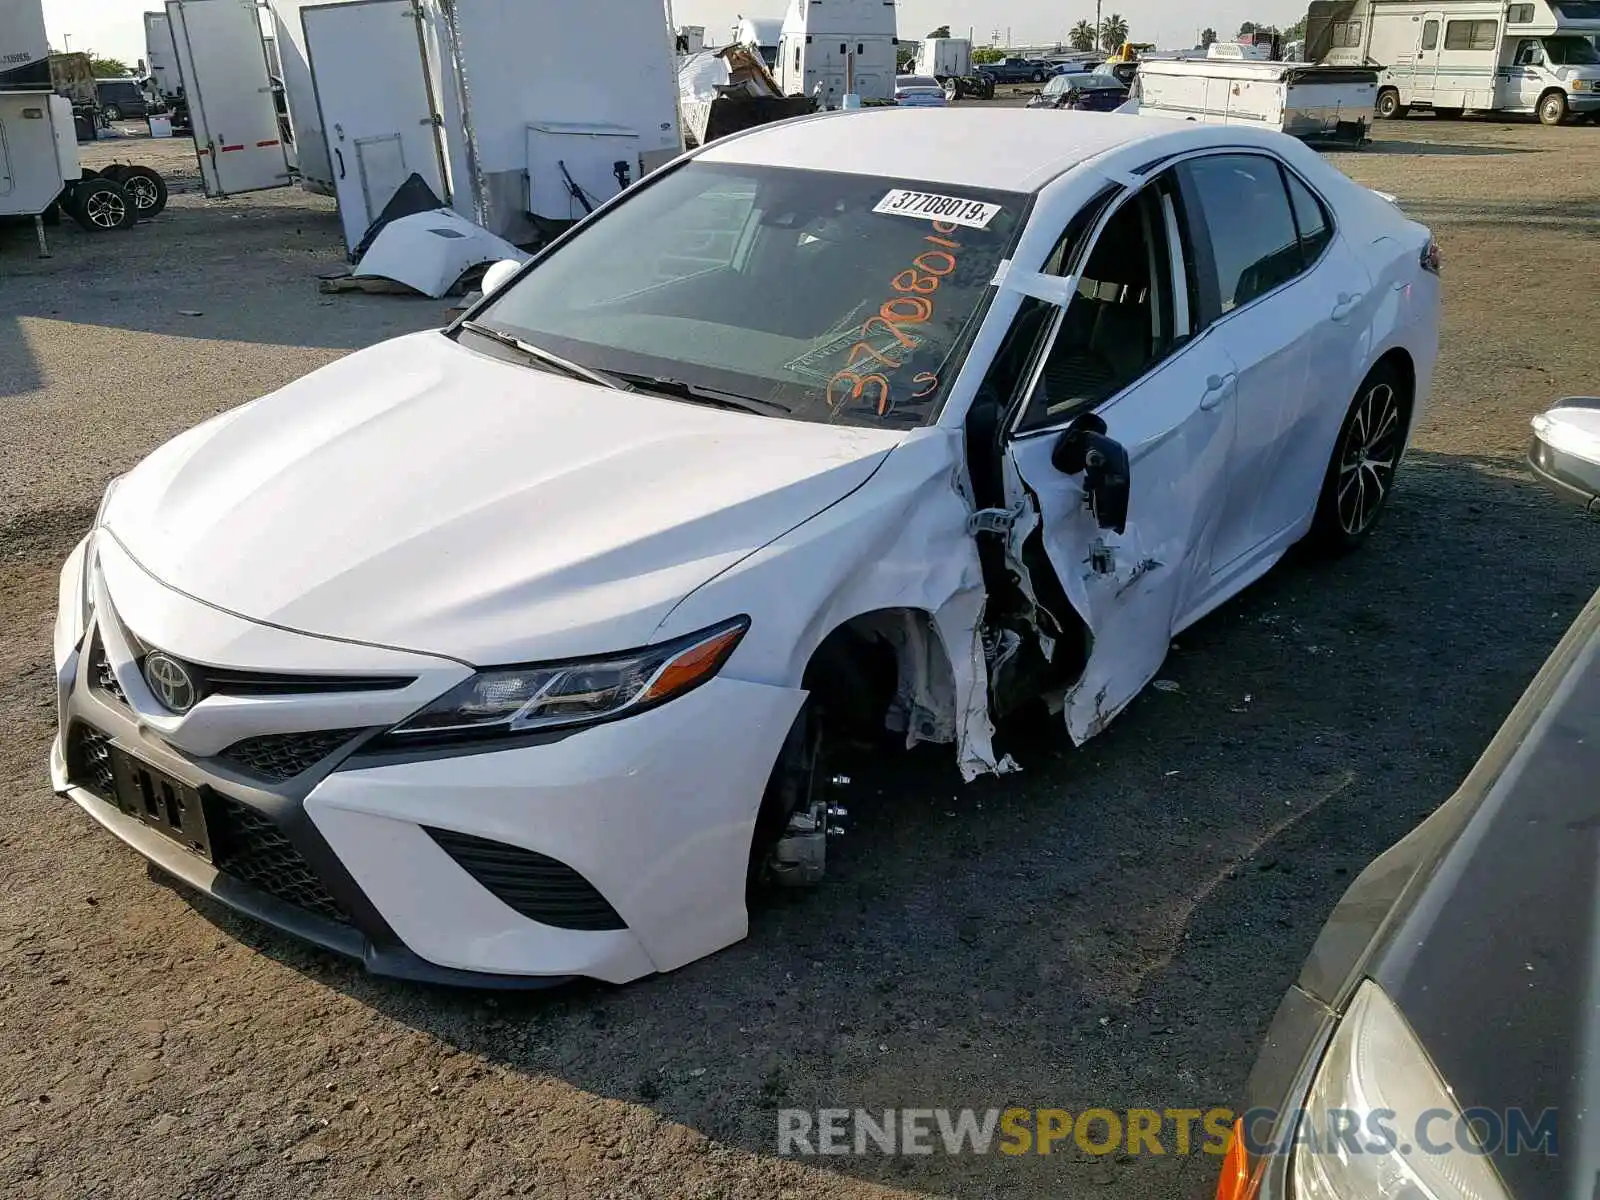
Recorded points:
(278, 756)
(538, 887)
(100, 673)
(249, 846)
(89, 762)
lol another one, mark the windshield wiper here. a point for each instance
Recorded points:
(698, 394)
(540, 354)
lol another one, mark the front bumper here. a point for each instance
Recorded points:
(626, 842)
(1583, 102)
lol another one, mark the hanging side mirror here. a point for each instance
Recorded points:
(1565, 452)
(1107, 480)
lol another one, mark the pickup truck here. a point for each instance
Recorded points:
(1017, 70)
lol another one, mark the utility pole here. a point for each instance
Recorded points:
(1099, 37)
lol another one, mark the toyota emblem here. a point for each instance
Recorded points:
(171, 682)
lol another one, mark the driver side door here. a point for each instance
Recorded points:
(1127, 367)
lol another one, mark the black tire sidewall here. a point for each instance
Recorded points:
(1327, 534)
(154, 176)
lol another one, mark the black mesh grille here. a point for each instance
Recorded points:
(100, 673)
(279, 756)
(250, 847)
(538, 887)
(89, 762)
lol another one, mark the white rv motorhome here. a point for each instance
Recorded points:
(1528, 56)
(497, 105)
(38, 144)
(761, 35)
(831, 48)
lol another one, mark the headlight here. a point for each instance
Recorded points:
(553, 695)
(1377, 1083)
(1580, 85)
(100, 513)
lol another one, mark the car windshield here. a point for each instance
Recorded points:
(920, 81)
(1570, 51)
(841, 298)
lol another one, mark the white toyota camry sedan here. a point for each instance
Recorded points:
(515, 650)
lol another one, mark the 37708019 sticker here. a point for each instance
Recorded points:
(929, 206)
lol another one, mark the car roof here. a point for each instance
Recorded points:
(1011, 149)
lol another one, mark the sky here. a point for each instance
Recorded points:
(116, 27)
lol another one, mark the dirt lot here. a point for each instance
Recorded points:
(1113, 927)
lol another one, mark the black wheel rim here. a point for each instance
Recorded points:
(105, 210)
(1368, 456)
(141, 191)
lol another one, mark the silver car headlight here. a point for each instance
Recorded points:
(514, 700)
(1377, 1086)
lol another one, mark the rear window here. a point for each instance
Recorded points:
(910, 81)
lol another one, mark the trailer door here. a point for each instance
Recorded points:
(377, 111)
(223, 68)
(1426, 69)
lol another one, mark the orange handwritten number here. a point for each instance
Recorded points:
(861, 382)
(929, 382)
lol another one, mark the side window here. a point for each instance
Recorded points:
(1430, 35)
(1123, 320)
(1239, 202)
(1519, 14)
(1471, 35)
(1310, 218)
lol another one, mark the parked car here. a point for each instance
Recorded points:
(521, 648)
(120, 99)
(1017, 70)
(1084, 90)
(919, 91)
(1432, 1019)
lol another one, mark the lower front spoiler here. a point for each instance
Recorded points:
(379, 955)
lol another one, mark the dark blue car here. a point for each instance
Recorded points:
(1088, 90)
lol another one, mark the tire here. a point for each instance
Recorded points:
(52, 215)
(988, 89)
(1553, 108)
(1361, 470)
(145, 188)
(111, 112)
(793, 787)
(100, 204)
(1037, 77)
(1448, 114)
(1389, 106)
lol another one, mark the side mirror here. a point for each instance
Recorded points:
(1107, 480)
(1565, 453)
(498, 274)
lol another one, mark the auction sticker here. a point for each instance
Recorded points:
(929, 206)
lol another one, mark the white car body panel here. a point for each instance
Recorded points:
(421, 508)
(429, 251)
(528, 538)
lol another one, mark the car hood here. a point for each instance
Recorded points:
(421, 495)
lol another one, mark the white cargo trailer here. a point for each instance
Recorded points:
(312, 159)
(162, 55)
(520, 114)
(38, 144)
(831, 48)
(222, 66)
(1311, 102)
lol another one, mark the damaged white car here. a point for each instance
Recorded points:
(514, 651)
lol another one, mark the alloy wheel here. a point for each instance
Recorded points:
(141, 191)
(105, 209)
(1368, 457)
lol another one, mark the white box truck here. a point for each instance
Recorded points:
(831, 48)
(944, 58)
(1528, 56)
(520, 114)
(1310, 102)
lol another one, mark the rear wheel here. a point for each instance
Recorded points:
(1553, 108)
(111, 112)
(1365, 456)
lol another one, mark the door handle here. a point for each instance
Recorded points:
(1217, 387)
(340, 157)
(1346, 305)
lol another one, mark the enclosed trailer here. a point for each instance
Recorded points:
(832, 48)
(312, 159)
(760, 34)
(1311, 102)
(222, 68)
(162, 55)
(520, 114)
(38, 145)
(944, 58)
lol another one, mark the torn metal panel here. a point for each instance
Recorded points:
(895, 555)
(429, 251)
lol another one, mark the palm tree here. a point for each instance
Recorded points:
(1082, 36)
(1207, 37)
(1113, 31)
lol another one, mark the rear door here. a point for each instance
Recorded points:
(222, 66)
(379, 120)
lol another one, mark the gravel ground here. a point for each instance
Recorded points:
(1113, 927)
